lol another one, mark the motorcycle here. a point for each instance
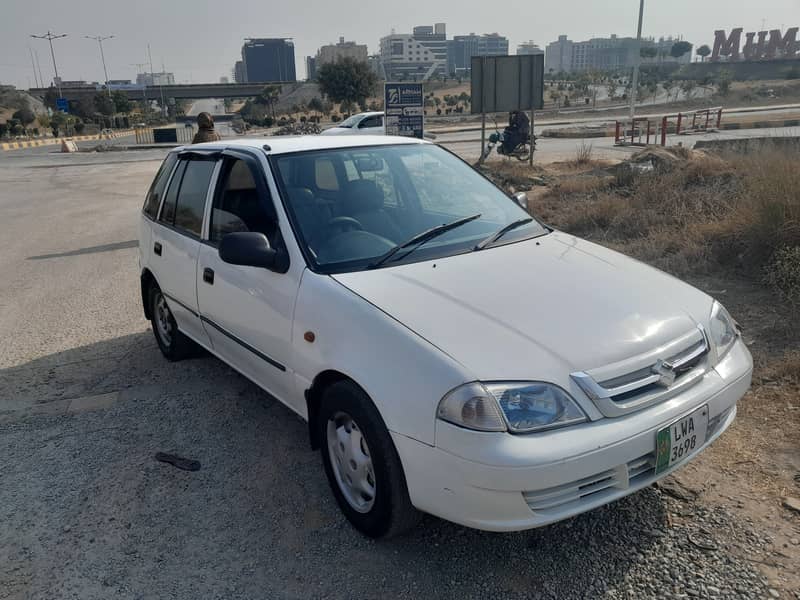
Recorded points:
(521, 151)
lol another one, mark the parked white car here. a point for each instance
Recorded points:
(366, 123)
(450, 353)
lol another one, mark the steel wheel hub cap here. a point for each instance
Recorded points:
(351, 462)
(163, 323)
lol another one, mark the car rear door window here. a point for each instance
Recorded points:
(192, 196)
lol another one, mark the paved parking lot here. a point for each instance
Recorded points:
(86, 400)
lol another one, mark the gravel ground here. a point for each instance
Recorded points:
(86, 400)
(88, 512)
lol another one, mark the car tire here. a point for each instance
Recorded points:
(362, 465)
(174, 345)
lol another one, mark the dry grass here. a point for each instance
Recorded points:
(693, 213)
(583, 155)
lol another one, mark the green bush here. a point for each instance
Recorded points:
(783, 273)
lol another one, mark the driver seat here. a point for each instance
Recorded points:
(363, 200)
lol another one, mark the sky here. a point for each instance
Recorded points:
(199, 40)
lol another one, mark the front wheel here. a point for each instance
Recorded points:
(362, 464)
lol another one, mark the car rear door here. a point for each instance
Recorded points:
(176, 240)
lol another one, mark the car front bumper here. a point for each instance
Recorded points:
(503, 482)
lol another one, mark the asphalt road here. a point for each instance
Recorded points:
(86, 400)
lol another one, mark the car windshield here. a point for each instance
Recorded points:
(350, 121)
(352, 206)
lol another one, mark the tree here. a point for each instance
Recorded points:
(50, 97)
(103, 104)
(688, 87)
(347, 81)
(25, 116)
(679, 49)
(315, 104)
(121, 102)
(703, 52)
(269, 96)
(611, 87)
(724, 82)
(648, 51)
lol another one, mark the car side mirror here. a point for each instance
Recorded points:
(252, 249)
(521, 198)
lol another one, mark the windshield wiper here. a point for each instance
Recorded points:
(500, 233)
(421, 238)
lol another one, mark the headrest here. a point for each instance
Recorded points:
(240, 178)
(362, 195)
(300, 195)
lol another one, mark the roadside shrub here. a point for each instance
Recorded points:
(335, 118)
(583, 155)
(783, 273)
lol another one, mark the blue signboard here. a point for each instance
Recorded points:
(404, 106)
(62, 104)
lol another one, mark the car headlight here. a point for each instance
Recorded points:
(723, 330)
(519, 407)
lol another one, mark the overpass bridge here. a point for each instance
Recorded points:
(178, 91)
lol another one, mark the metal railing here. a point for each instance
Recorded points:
(640, 130)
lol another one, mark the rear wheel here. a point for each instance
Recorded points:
(173, 344)
(362, 465)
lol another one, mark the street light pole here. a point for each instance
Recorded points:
(100, 39)
(636, 60)
(50, 37)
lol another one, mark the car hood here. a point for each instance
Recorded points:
(523, 309)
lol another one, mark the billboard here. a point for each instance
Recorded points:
(404, 109)
(506, 83)
(761, 45)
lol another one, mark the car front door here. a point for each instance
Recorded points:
(176, 240)
(247, 311)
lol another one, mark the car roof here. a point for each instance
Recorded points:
(285, 144)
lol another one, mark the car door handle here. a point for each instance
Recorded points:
(157, 248)
(208, 275)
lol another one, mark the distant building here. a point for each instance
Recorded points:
(224, 79)
(462, 48)
(75, 83)
(376, 64)
(605, 54)
(529, 48)
(311, 68)
(333, 52)
(151, 79)
(239, 74)
(415, 56)
(268, 59)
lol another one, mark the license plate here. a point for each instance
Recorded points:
(681, 439)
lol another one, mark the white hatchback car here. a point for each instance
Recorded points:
(366, 123)
(450, 353)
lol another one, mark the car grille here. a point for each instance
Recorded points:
(595, 487)
(647, 379)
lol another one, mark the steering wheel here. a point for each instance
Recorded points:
(344, 224)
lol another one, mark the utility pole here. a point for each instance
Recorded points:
(33, 66)
(152, 77)
(140, 67)
(100, 39)
(636, 60)
(50, 37)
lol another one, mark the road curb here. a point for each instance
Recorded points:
(6, 146)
